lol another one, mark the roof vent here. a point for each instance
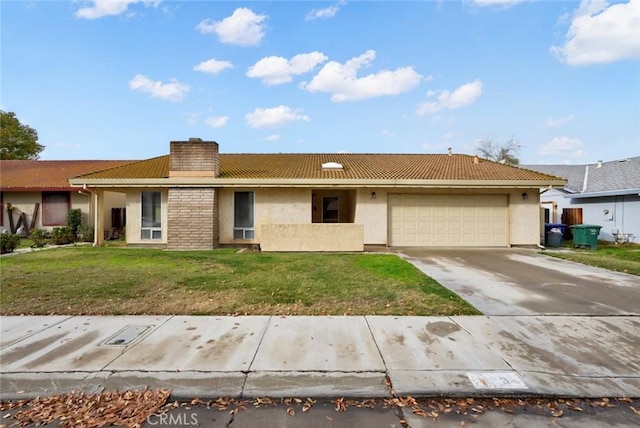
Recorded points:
(195, 140)
(599, 164)
(449, 152)
(476, 159)
(332, 165)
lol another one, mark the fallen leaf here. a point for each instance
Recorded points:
(634, 410)
(557, 413)
(291, 412)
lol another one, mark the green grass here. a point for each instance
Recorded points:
(100, 281)
(622, 258)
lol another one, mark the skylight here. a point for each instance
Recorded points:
(332, 165)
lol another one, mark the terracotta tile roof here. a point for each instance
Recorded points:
(355, 166)
(21, 175)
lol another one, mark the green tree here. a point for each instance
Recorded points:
(17, 141)
(506, 153)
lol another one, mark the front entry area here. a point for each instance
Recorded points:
(447, 220)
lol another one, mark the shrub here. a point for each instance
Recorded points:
(8, 242)
(74, 220)
(85, 233)
(40, 238)
(63, 235)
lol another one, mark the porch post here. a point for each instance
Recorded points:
(98, 223)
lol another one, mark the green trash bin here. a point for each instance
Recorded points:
(585, 235)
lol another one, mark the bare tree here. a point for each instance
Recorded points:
(506, 153)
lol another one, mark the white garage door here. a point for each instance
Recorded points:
(448, 220)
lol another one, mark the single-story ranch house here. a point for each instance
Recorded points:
(197, 198)
(37, 194)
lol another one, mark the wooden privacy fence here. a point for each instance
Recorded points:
(571, 216)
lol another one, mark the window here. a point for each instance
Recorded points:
(151, 215)
(55, 206)
(330, 209)
(243, 215)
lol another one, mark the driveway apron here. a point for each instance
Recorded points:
(525, 282)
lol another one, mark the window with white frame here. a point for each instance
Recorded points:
(151, 215)
(243, 227)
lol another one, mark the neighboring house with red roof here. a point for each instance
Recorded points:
(196, 198)
(37, 194)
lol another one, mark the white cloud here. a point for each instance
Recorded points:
(463, 96)
(173, 91)
(243, 27)
(552, 123)
(216, 121)
(275, 70)
(272, 117)
(342, 82)
(273, 137)
(325, 13)
(562, 146)
(100, 8)
(601, 34)
(388, 133)
(213, 66)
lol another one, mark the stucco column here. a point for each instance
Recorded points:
(98, 223)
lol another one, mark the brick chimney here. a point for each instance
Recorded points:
(194, 158)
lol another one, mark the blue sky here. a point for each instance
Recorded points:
(109, 79)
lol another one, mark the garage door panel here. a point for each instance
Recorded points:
(447, 220)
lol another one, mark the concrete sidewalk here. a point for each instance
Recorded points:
(256, 356)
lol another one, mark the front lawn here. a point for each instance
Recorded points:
(622, 258)
(113, 281)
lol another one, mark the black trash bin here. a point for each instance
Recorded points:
(554, 238)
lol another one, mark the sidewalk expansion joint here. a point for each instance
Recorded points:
(255, 354)
(386, 368)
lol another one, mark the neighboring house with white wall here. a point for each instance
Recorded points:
(37, 194)
(197, 198)
(606, 194)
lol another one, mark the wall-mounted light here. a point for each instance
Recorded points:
(525, 196)
(373, 195)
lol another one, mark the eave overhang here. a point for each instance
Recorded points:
(308, 183)
(622, 192)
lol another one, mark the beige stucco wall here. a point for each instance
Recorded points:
(524, 217)
(134, 217)
(24, 202)
(372, 214)
(312, 237)
(272, 206)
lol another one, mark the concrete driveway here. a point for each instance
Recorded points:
(525, 282)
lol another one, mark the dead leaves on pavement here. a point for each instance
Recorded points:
(129, 409)
(132, 408)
